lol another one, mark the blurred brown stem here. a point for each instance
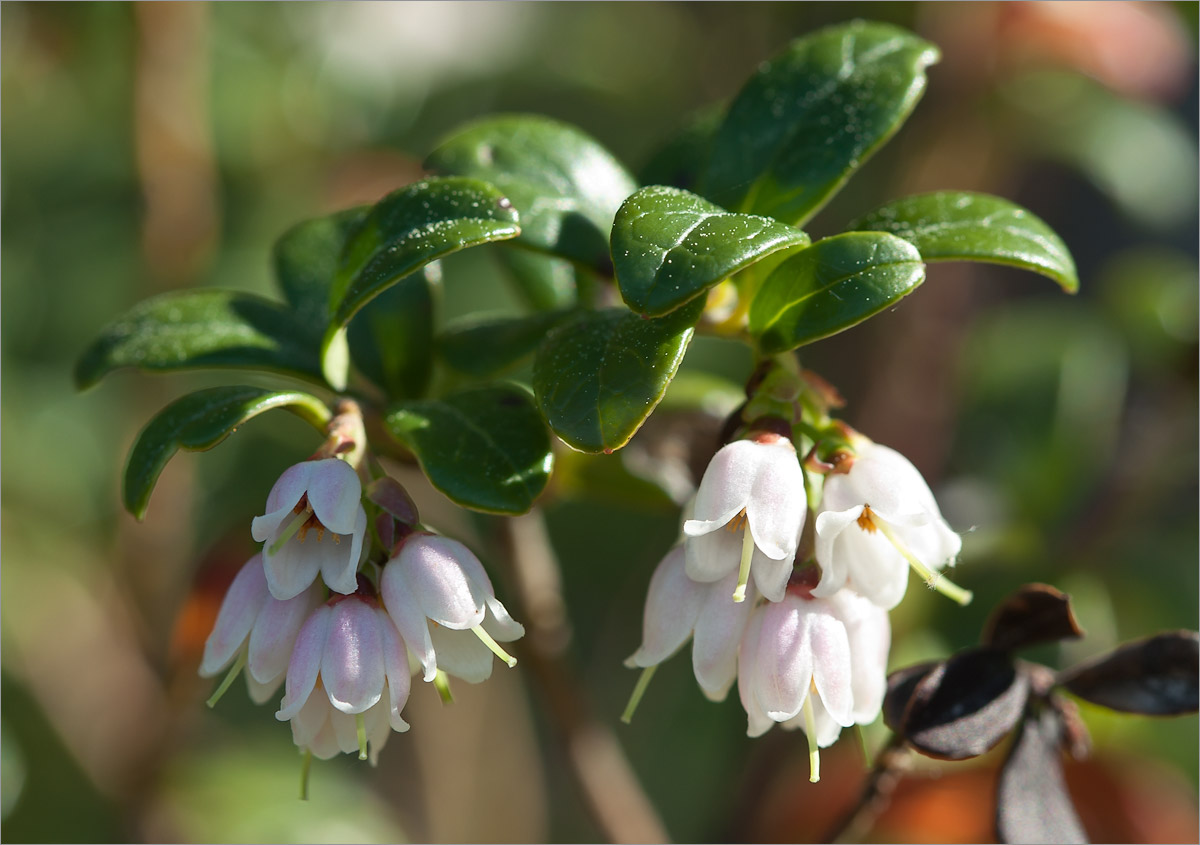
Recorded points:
(890, 766)
(610, 790)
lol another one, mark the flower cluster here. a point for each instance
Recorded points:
(801, 625)
(342, 632)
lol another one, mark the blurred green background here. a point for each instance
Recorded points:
(155, 146)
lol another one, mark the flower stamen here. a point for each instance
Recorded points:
(865, 522)
(935, 580)
(810, 730)
(639, 690)
(360, 728)
(295, 526)
(739, 592)
(494, 646)
(441, 682)
(737, 523)
(234, 671)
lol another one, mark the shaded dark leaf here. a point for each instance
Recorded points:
(900, 687)
(390, 495)
(1157, 676)
(1032, 802)
(306, 260)
(966, 705)
(391, 338)
(484, 347)
(1034, 614)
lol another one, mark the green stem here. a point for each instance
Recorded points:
(639, 690)
(233, 672)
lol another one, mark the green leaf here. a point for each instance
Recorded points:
(812, 115)
(669, 246)
(391, 338)
(963, 226)
(832, 285)
(681, 159)
(564, 184)
(598, 377)
(199, 421)
(485, 448)
(202, 328)
(543, 281)
(485, 347)
(401, 234)
(306, 260)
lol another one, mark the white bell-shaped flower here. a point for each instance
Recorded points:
(816, 664)
(443, 603)
(315, 523)
(748, 515)
(326, 731)
(877, 520)
(678, 608)
(257, 630)
(349, 653)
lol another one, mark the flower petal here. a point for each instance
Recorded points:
(292, 569)
(275, 633)
(335, 494)
(291, 485)
(352, 663)
(305, 664)
(830, 526)
(337, 556)
(268, 525)
(240, 607)
(260, 693)
(874, 568)
(407, 616)
(778, 503)
(785, 659)
(725, 488)
(831, 661)
(719, 627)
(438, 581)
(462, 654)
(771, 576)
(673, 602)
(313, 716)
(710, 557)
(869, 632)
(395, 667)
(758, 722)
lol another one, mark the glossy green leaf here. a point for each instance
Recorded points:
(811, 116)
(669, 246)
(598, 377)
(306, 261)
(202, 328)
(485, 347)
(401, 234)
(200, 421)
(832, 285)
(564, 184)
(485, 448)
(543, 281)
(391, 338)
(962, 226)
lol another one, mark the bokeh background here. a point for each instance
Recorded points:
(153, 146)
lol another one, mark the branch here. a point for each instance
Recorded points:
(610, 790)
(890, 766)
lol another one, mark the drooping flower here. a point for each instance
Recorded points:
(257, 630)
(350, 654)
(443, 603)
(875, 521)
(678, 608)
(315, 522)
(754, 489)
(816, 664)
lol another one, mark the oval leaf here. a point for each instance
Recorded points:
(391, 338)
(1032, 802)
(486, 448)
(402, 233)
(598, 377)
(306, 260)
(1157, 676)
(962, 226)
(483, 348)
(202, 328)
(542, 281)
(1034, 614)
(564, 184)
(832, 285)
(200, 421)
(669, 246)
(964, 706)
(812, 115)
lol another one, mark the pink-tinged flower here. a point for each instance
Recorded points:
(875, 521)
(678, 608)
(351, 655)
(443, 603)
(315, 522)
(816, 664)
(257, 629)
(754, 489)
